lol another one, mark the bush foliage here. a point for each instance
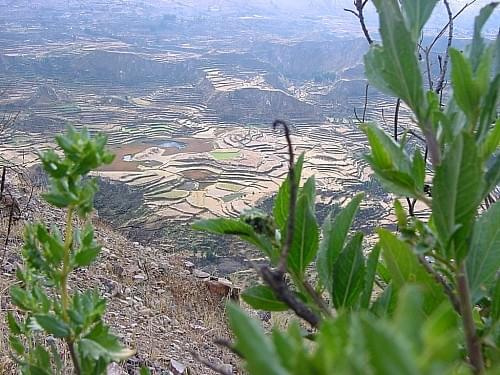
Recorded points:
(425, 300)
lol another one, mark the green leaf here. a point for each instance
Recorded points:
(334, 234)
(385, 303)
(16, 344)
(371, 271)
(37, 370)
(476, 48)
(465, 90)
(348, 274)
(409, 316)
(457, 193)
(483, 261)
(53, 325)
(392, 165)
(236, 227)
(305, 237)
(282, 200)
(389, 353)
(401, 214)
(393, 68)
(42, 357)
(495, 302)
(14, 327)
(144, 371)
(416, 14)
(418, 170)
(492, 140)
(284, 348)
(85, 257)
(252, 343)
(20, 298)
(440, 334)
(100, 344)
(262, 297)
(404, 267)
(492, 176)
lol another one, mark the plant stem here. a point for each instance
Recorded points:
(472, 339)
(74, 358)
(68, 241)
(66, 268)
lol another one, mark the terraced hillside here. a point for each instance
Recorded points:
(187, 102)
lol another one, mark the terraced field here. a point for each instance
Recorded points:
(188, 109)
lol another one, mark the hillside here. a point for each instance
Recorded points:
(155, 302)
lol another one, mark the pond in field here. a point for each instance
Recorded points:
(173, 144)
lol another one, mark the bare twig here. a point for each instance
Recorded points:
(293, 197)
(359, 13)
(366, 102)
(212, 366)
(396, 118)
(444, 65)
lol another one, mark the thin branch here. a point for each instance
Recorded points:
(212, 366)
(473, 341)
(365, 105)
(444, 66)
(359, 13)
(317, 298)
(276, 282)
(293, 197)
(441, 280)
(396, 118)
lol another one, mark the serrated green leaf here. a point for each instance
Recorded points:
(483, 260)
(335, 231)
(457, 193)
(53, 325)
(262, 297)
(260, 355)
(348, 274)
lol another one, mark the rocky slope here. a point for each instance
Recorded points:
(157, 303)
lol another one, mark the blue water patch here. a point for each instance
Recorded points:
(173, 144)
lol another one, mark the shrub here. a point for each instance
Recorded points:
(48, 310)
(436, 308)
